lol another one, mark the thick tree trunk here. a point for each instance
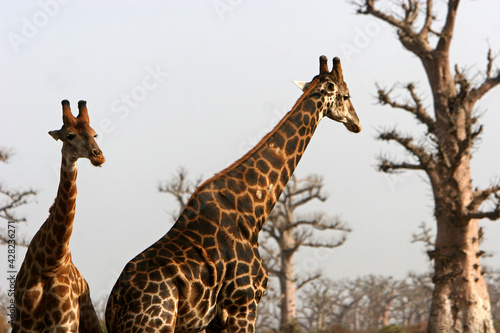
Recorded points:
(321, 322)
(460, 302)
(287, 283)
(385, 320)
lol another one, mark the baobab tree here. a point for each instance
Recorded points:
(292, 232)
(460, 300)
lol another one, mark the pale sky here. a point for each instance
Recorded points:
(169, 84)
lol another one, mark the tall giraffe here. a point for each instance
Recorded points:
(51, 295)
(206, 272)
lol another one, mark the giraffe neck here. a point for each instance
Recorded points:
(59, 225)
(255, 181)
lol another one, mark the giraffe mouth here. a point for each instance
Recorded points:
(351, 123)
(97, 160)
(353, 127)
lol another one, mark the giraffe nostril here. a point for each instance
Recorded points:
(96, 152)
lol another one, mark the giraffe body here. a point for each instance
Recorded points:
(206, 272)
(51, 295)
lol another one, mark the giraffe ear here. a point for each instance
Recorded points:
(55, 135)
(301, 84)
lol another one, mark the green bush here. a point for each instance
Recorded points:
(391, 329)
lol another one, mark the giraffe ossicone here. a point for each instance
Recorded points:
(51, 295)
(206, 272)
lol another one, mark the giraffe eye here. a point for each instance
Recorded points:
(346, 97)
(70, 136)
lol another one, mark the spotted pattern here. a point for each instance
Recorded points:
(206, 272)
(51, 295)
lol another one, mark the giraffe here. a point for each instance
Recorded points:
(206, 272)
(51, 295)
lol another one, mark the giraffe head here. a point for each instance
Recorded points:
(77, 136)
(331, 89)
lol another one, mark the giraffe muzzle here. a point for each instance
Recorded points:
(97, 159)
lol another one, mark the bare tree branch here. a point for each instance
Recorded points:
(12, 200)
(320, 222)
(367, 7)
(424, 236)
(417, 109)
(305, 281)
(300, 236)
(301, 191)
(180, 187)
(329, 244)
(493, 214)
(417, 43)
(426, 28)
(489, 65)
(272, 231)
(270, 259)
(489, 83)
(426, 159)
(480, 196)
(390, 167)
(447, 32)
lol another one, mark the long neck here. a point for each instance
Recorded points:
(59, 225)
(255, 182)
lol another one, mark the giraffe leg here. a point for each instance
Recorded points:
(237, 317)
(238, 312)
(243, 322)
